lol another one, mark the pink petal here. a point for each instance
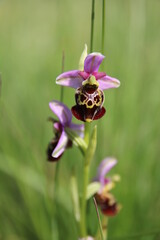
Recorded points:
(78, 128)
(84, 75)
(99, 75)
(70, 79)
(106, 165)
(61, 146)
(62, 112)
(92, 62)
(108, 82)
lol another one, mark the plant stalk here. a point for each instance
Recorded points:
(103, 25)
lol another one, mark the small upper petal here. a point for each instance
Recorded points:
(107, 82)
(78, 128)
(105, 166)
(62, 112)
(70, 79)
(92, 62)
(61, 145)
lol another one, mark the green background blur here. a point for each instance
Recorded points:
(33, 35)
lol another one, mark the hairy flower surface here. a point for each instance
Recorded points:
(89, 85)
(61, 141)
(104, 198)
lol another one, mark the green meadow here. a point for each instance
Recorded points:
(33, 35)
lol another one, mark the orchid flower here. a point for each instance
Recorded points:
(104, 198)
(89, 85)
(61, 141)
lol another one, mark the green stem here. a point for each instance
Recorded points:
(56, 178)
(85, 182)
(84, 201)
(103, 24)
(58, 163)
(62, 88)
(92, 26)
(105, 227)
(89, 154)
(87, 133)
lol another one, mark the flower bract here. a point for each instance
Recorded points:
(61, 140)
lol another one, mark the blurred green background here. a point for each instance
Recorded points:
(33, 35)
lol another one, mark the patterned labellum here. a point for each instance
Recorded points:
(89, 102)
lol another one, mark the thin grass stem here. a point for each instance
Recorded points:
(99, 219)
(92, 25)
(103, 25)
(62, 88)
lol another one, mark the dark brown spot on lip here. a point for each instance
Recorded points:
(89, 103)
(82, 98)
(97, 99)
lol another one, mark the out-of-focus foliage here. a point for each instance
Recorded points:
(33, 35)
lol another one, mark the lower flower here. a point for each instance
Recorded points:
(104, 198)
(61, 141)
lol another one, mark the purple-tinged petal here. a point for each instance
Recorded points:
(105, 166)
(108, 82)
(84, 75)
(58, 126)
(70, 79)
(99, 75)
(78, 128)
(62, 112)
(92, 62)
(61, 146)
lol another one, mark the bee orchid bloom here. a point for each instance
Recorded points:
(89, 85)
(104, 198)
(61, 141)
